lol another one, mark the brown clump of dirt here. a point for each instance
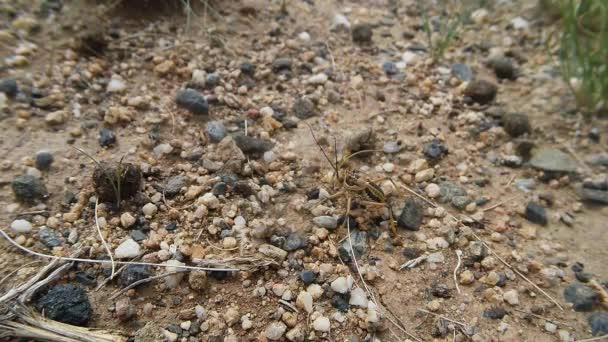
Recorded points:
(122, 177)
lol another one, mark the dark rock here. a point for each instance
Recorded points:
(138, 235)
(583, 277)
(516, 124)
(43, 160)
(594, 195)
(503, 68)
(85, 279)
(278, 241)
(106, 137)
(481, 91)
(524, 149)
(598, 322)
(362, 34)
(312, 194)
(248, 68)
(359, 243)
(411, 252)
(66, 303)
(340, 301)
(171, 226)
(577, 267)
(28, 188)
(449, 190)
(212, 81)
(411, 215)
(91, 42)
(594, 135)
(281, 65)
(216, 131)
(582, 297)
(219, 189)
(434, 150)
(251, 145)
(133, 273)
(9, 87)
(308, 277)
(462, 72)
(352, 223)
(536, 213)
(193, 101)
(441, 291)
(390, 68)
(303, 108)
(552, 160)
(460, 202)
(295, 241)
(49, 238)
(175, 184)
(494, 313)
(105, 178)
(243, 189)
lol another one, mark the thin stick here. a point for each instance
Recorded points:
(42, 255)
(542, 317)
(103, 241)
(105, 281)
(502, 202)
(594, 338)
(458, 254)
(145, 280)
(442, 317)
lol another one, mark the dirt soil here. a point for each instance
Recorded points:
(72, 54)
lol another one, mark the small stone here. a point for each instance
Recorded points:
(462, 72)
(175, 184)
(495, 313)
(582, 297)
(598, 322)
(358, 297)
(304, 301)
(511, 297)
(362, 34)
(127, 249)
(248, 68)
(116, 85)
(66, 303)
(124, 310)
(9, 87)
(273, 252)
(229, 242)
(170, 336)
(503, 68)
(550, 327)
(536, 213)
(339, 22)
(411, 215)
(251, 145)
(320, 78)
(49, 237)
(127, 220)
(134, 273)
(359, 245)
(466, 278)
(173, 280)
(434, 150)
(199, 77)
(162, 149)
(520, 23)
(21, 226)
(392, 147)
(198, 280)
(106, 137)
(149, 209)
(275, 330)
(307, 277)
(553, 160)
(435, 258)
(303, 108)
(328, 222)
(295, 241)
(315, 290)
(341, 284)
(43, 160)
(516, 124)
(165, 67)
(193, 101)
(481, 91)
(216, 131)
(281, 65)
(425, 175)
(432, 190)
(321, 324)
(28, 188)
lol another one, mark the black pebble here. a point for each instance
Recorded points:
(44, 160)
(308, 277)
(66, 303)
(536, 213)
(106, 137)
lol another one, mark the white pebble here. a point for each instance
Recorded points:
(149, 209)
(358, 297)
(340, 21)
(519, 23)
(321, 324)
(128, 249)
(304, 36)
(317, 79)
(388, 167)
(127, 220)
(162, 149)
(21, 226)
(304, 301)
(341, 284)
(432, 190)
(116, 85)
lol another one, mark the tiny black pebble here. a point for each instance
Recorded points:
(308, 277)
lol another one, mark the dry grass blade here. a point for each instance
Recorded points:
(103, 241)
(442, 317)
(458, 254)
(142, 281)
(599, 338)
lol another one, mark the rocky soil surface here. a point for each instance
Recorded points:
(211, 138)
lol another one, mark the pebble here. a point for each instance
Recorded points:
(116, 85)
(598, 322)
(127, 220)
(550, 327)
(199, 77)
(516, 124)
(173, 280)
(56, 118)
(162, 149)
(434, 150)
(388, 167)
(466, 278)
(362, 34)
(303, 108)
(229, 242)
(21, 226)
(304, 301)
(481, 91)
(49, 237)
(432, 190)
(133, 273)
(411, 215)
(511, 297)
(175, 184)
(358, 297)
(193, 101)
(435, 258)
(106, 137)
(359, 245)
(250, 145)
(462, 72)
(328, 222)
(43, 160)
(307, 277)
(520, 23)
(124, 310)
(281, 65)
(127, 249)
(315, 290)
(216, 131)
(342, 284)
(503, 68)
(392, 147)
(582, 297)
(66, 303)
(149, 209)
(425, 175)
(295, 241)
(536, 213)
(9, 87)
(275, 330)
(321, 324)
(552, 160)
(339, 21)
(320, 78)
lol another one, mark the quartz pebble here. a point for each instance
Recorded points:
(21, 226)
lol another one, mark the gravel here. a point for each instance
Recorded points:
(582, 297)
(216, 131)
(28, 188)
(193, 101)
(411, 215)
(66, 303)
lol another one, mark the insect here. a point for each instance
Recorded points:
(353, 186)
